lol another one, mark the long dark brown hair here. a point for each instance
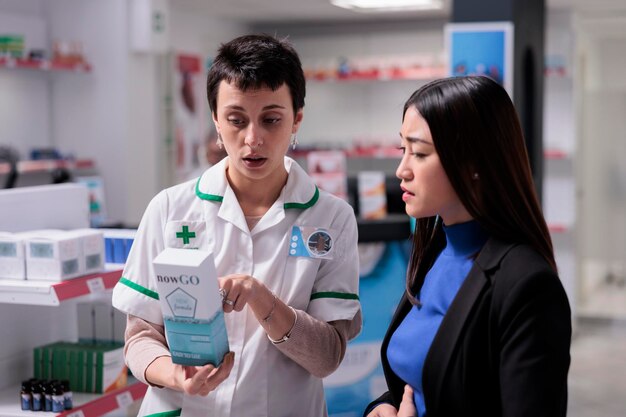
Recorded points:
(476, 130)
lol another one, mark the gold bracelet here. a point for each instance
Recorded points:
(267, 319)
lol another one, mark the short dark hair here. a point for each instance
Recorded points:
(476, 130)
(256, 61)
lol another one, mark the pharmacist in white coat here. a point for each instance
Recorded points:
(285, 252)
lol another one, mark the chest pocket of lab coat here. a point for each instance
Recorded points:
(299, 280)
(185, 234)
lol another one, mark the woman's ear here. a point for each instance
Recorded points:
(297, 120)
(216, 123)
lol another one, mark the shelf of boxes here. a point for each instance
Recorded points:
(558, 227)
(417, 73)
(44, 65)
(47, 165)
(85, 405)
(556, 154)
(47, 293)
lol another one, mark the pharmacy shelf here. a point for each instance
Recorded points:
(558, 227)
(47, 165)
(391, 227)
(85, 405)
(556, 154)
(418, 73)
(47, 293)
(44, 65)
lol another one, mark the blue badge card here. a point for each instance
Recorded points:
(311, 242)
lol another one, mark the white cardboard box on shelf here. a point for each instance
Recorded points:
(372, 197)
(53, 256)
(12, 261)
(91, 249)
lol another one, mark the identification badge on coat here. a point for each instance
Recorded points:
(311, 242)
(185, 234)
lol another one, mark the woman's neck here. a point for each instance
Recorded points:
(256, 197)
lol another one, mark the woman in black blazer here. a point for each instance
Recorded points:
(484, 327)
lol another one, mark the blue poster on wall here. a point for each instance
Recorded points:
(481, 49)
(359, 380)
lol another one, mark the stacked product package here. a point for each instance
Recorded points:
(51, 255)
(89, 367)
(95, 363)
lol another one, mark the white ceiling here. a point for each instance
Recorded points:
(293, 11)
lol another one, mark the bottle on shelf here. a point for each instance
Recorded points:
(26, 397)
(68, 400)
(57, 397)
(38, 396)
(47, 395)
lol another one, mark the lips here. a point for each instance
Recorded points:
(404, 190)
(406, 194)
(253, 157)
(254, 161)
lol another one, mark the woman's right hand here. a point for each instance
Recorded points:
(192, 380)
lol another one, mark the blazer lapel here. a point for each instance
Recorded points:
(447, 337)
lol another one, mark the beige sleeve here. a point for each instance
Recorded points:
(145, 342)
(318, 346)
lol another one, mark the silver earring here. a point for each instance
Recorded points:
(219, 141)
(475, 176)
(294, 141)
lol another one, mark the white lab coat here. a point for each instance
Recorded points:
(263, 381)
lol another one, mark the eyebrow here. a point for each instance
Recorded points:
(269, 107)
(413, 139)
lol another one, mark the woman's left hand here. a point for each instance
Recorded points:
(201, 380)
(238, 290)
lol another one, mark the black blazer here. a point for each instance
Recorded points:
(502, 349)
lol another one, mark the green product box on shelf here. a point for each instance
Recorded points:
(46, 371)
(89, 374)
(42, 360)
(12, 44)
(59, 363)
(47, 360)
(106, 370)
(73, 368)
(89, 367)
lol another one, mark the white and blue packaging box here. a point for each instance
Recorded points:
(52, 255)
(12, 260)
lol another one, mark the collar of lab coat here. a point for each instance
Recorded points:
(300, 192)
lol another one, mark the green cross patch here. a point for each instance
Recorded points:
(185, 235)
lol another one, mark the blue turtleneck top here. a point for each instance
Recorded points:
(411, 341)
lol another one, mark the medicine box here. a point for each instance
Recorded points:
(372, 197)
(52, 256)
(89, 367)
(12, 260)
(118, 243)
(91, 249)
(191, 306)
